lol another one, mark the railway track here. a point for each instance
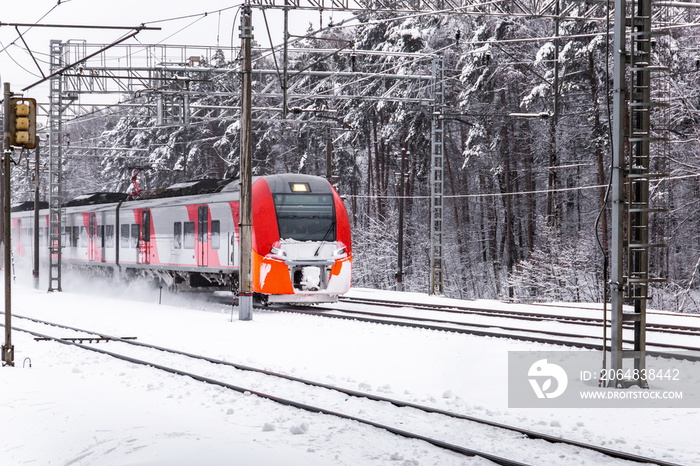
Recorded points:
(568, 339)
(448, 430)
(501, 324)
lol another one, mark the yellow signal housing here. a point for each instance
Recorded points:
(23, 122)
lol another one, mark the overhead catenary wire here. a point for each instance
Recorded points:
(14, 42)
(4, 48)
(32, 73)
(518, 193)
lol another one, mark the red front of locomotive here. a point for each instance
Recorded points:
(302, 248)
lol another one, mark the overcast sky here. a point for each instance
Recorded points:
(219, 27)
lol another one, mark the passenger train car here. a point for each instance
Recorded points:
(188, 236)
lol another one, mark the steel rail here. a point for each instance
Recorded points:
(512, 336)
(518, 329)
(520, 315)
(398, 403)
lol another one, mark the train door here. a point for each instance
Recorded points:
(92, 238)
(202, 234)
(17, 237)
(101, 239)
(145, 240)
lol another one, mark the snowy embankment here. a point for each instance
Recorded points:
(75, 407)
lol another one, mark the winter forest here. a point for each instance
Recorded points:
(524, 217)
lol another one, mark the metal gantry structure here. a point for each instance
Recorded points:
(515, 8)
(158, 69)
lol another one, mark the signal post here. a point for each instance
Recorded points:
(19, 130)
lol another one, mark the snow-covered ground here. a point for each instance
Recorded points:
(74, 407)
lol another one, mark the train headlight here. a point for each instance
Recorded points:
(339, 252)
(300, 187)
(278, 252)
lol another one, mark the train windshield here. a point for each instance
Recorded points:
(305, 217)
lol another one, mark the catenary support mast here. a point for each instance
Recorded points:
(631, 172)
(55, 167)
(437, 177)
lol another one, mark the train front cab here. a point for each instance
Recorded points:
(301, 240)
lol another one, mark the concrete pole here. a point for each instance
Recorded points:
(245, 302)
(617, 192)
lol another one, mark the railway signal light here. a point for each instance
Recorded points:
(23, 122)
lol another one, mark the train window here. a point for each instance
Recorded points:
(177, 235)
(124, 236)
(215, 234)
(82, 238)
(305, 217)
(203, 217)
(135, 230)
(109, 236)
(188, 242)
(64, 236)
(100, 236)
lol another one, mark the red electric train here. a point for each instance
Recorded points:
(188, 236)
